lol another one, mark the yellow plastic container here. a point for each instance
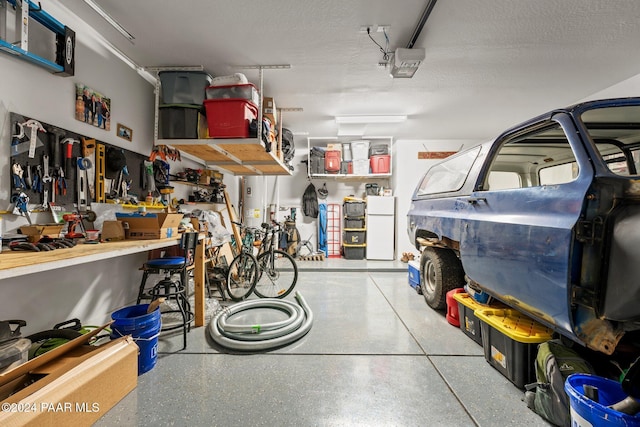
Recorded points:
(469, 322)
(510, 340)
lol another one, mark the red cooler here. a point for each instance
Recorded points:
(230, 118)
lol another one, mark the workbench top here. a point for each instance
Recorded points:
(19, 263)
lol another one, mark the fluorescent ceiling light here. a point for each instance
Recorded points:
(370, 119)
(93, 5)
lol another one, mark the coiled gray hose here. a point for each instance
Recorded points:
(266, 336)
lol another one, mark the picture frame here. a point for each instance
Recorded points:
(92, 107)
(124, 132)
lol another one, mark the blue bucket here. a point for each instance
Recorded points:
(586, 412)
(144, 328)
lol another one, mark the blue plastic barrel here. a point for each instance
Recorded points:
(586, 412)
(144, 329)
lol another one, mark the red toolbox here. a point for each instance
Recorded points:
(380, 163)
(332, 161)
(230, 118)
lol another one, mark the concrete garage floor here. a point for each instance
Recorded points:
(375, 356)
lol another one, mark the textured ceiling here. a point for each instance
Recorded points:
(489, 64)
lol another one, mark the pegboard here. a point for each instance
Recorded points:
(48, 142)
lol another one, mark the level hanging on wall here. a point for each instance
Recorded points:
(65, 37)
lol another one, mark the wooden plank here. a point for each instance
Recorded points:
(199, 284)
(425, 155)
(16, 263)
(206, 153)
(233, 217)
(248, 153)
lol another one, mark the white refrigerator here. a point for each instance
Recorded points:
(381, 227)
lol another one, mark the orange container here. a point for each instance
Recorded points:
(380, 163)
(332, 161)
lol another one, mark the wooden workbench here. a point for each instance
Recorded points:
(20, 263)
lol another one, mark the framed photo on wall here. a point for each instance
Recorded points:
(93, 107)
(124, 132)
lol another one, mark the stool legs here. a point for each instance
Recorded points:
(174, 290)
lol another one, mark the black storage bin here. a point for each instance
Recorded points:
(178, 121)
(353, 209)
(183, 87)
(378, 149)
(344, 167)
(372, 189)
(316, 161)
(354, 236)
(354, 251)
(354, 223)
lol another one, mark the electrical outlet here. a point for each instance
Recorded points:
(363, 28)
(383, 28)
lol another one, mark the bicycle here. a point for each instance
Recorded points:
(278, 271)
(240, 275)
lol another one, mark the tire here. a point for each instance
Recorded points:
(278, 278)
(441, 272)
(242, 276)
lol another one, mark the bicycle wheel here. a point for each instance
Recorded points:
(242, 275)
(278, 275)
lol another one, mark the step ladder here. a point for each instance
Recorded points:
(64, 64)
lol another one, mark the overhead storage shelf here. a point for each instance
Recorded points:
(237, 156)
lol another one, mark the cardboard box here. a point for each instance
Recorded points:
(38, 231)
(269, 110)
(112, 231)
(146, 225)
(70, 385)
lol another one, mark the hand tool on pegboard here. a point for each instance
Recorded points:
(20, 202)
(56, 145)
(28, 179)
(100, 171)
(18, 146)
(17, 173)
(84, 200)
(89, 152)
(35, 127)
(69, 165)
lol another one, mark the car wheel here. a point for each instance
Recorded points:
(441, 271)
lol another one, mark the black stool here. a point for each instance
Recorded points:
(169, 288)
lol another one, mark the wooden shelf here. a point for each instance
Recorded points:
(350, 176)
(236, 156)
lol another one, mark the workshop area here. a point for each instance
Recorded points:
(329, 213)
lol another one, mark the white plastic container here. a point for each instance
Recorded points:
(346, 152)
(233, 79)
(241, 91)
(361, 166)
(14, 353)
(360, 151)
